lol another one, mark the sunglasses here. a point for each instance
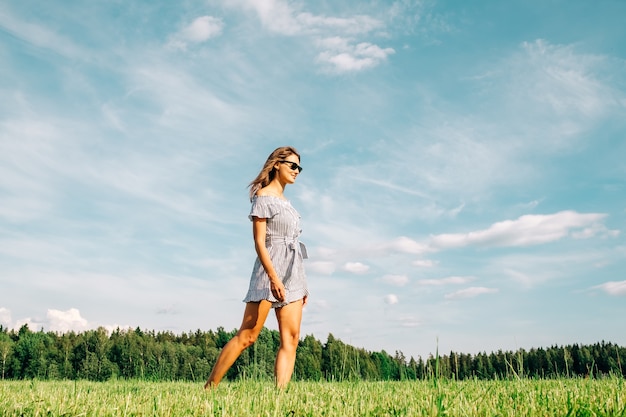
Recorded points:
(292, 165)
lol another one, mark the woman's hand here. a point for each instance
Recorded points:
(278, 290)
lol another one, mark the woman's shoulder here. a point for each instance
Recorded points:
(265, 194)
(266, 206)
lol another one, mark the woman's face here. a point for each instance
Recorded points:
(285, 173)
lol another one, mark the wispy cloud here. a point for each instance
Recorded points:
(470, 293)
(532, 268)
(397, 280)
(200, 30)
(560, 80)
(525, 231)
(562, 90)
(339, 55)
(616, 288)
(356, 267)
(394, 187)
(40, 36)
(528, 230)
(544, 98)
(405, 244)
(445, 281)
(286, 18)
(339, 40)
(424, 263)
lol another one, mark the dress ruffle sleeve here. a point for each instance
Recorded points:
(263, 208)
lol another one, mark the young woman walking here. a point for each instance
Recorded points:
(278, 280)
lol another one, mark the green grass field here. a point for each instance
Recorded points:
(522, 397)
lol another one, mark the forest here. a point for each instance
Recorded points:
(100, 355)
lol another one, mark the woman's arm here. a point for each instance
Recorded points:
(259, 230)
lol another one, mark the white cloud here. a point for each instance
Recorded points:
(200, 30)
(470, 292)
(404, 244)
(356, 267)
(617, 288)
(57, 321)
(424, 263)
(64, 321)
(276, 15)
(203, 28)
(32, 325)
(353, 25)
(391, 299)
(334, 36)
(344, 57)
(282, 17)
(445, 281)
(527, 230)
(40, 36)
(397, 280)
(5, 317)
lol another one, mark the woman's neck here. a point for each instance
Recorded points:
(274, 188)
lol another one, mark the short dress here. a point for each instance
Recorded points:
(286, 252)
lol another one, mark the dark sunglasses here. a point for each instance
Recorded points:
(293, 165)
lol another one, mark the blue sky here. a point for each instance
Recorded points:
(464, 182)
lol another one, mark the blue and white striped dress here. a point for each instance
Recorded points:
(285, 250)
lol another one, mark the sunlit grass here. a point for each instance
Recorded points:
(522, 397)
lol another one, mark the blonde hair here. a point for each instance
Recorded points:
(268, 172)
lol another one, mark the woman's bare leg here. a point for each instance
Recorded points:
(289, 319)
(253, 320)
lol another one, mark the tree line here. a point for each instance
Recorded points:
(164, 356)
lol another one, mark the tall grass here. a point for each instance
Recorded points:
(516, 397)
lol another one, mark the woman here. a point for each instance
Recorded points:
(278, 280)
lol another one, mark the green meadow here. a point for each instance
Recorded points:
(515, 397)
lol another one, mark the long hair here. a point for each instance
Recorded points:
(268, 172)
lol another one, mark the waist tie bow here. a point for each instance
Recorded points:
(292, 243)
